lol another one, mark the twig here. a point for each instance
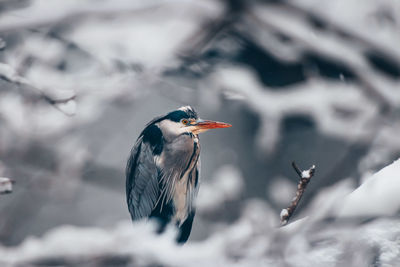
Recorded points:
(9, 74)
(305, 177)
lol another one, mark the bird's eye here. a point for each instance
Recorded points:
(185, 121)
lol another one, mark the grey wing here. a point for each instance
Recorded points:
(142, 181)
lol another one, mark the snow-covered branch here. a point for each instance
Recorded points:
(305, 177)
(9, 74)
(38, 14)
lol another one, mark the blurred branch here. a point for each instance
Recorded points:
(305, 177)
(241, 11)
(32, 16)
(197, 42)
(8, 74)
(347, 32)
(359, 70)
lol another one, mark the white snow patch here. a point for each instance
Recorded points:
(7, 72)
(5, 185)
(284, 213)
(378, 195)
(226, 185)
(307, 173)
(281, 191)
(68, 107)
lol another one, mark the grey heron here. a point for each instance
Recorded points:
(162, 172)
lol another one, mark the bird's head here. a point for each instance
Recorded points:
(185, 119)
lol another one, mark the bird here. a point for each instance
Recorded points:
(163, 170)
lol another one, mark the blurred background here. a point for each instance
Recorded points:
(312, 81)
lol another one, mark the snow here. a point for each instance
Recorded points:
(7, 72)
(377, 196)
(115, 51)
(284, 213)
(317, 98)
(5, 185)
(281, 190)
(227, 184)
(68, 107)
(32, 15)
(364, 22)
(249, 241)
(307, 173)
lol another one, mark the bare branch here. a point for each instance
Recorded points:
(296, 168)
(305, 177)
(9, 74)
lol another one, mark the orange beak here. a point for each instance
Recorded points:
(204, 125)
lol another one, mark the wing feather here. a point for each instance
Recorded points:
(142, 180)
